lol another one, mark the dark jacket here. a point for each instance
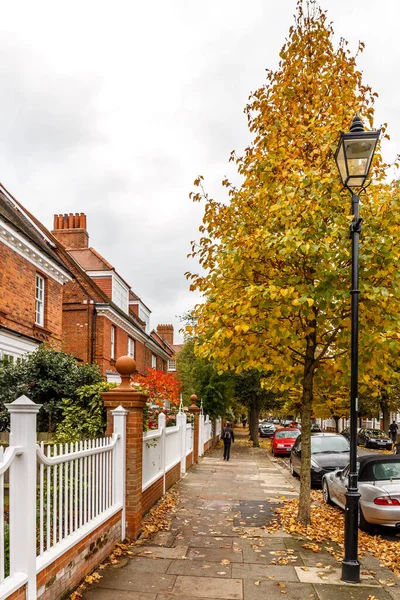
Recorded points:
(229, 438)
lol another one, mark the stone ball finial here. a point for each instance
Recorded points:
(125, 365)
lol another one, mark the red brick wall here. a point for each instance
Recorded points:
(64, 575)
(19, 594)
(189, 461)
(151, 495)
(172, 476)
(105, 284)
(17, 298)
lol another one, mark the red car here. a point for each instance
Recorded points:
(283, 440)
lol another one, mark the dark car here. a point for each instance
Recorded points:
(315, 428)
(267, 429)
(329, 452)
(374, 438)
(346, 432)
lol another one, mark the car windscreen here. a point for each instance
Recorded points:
(287, 434)
(329, 444)
(388, 470)
(376, 433)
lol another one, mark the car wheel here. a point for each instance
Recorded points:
(293, 472)
(362, 523)
(325, 493)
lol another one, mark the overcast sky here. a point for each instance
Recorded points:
(113, 109)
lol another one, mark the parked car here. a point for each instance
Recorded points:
(315, 428)
(374, 438)
(267, 429)
(329, 452)
(346, 432)
(261, 422)
(379, 486)
(283, 440)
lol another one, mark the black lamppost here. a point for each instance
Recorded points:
(353, 158)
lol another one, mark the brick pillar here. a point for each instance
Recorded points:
(124, 395)
(195, 410)
(214, 426)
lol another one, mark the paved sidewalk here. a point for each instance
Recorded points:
(217, 548)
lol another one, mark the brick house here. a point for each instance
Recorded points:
(102, 317)
(32, 277)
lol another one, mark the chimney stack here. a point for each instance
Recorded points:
(70, 230)
(166, 332)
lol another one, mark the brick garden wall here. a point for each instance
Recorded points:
(189, 461)
(19, 594)
(64, 575)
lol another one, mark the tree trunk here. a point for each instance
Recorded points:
(336, 419)
(255, 413)
(304, 515)
(385, 412)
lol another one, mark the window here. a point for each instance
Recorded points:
(120, 295)
(153, 361)
(39, 297)
(112, 341)
(131, 347)
(172, 365)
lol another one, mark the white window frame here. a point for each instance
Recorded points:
(120, 294)
(153, 361)
(172, 365)
(131, 347)
(40, 294)
(112, 349)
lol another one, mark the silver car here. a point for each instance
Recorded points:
(378, 484)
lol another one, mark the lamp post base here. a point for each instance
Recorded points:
(350, 571)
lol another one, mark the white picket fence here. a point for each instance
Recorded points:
(164, 448)
(80, 486)
(205, 432)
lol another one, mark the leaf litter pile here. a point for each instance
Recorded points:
(328, 526)
(157, 519)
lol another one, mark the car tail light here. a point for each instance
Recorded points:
(386, 501)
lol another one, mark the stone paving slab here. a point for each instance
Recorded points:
(157, 552)
(203, 541)
(149, 565)
(127, 579)
(350, 592)
(199, 568)
(273, 591)
(210, 587)
(264, 572)
(215, 554)
(330, 575)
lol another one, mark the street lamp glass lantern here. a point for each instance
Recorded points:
(355, 153)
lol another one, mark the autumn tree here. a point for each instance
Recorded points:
(276, 257)
(198, 376)
(251, 393)
(160, 386)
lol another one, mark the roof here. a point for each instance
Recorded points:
(20, 219)
(90, 260)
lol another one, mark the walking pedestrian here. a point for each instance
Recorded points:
(228, 437)
(393, 427)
